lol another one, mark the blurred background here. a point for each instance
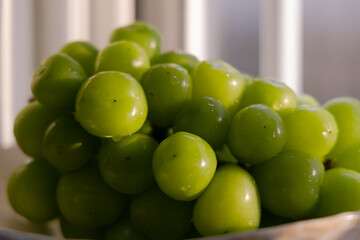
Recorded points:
(312, 45)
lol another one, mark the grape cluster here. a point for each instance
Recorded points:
(132, 143)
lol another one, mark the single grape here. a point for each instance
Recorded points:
(229, 204)
(124, 230)
(183, 166)
(186, 60)
(111, 104)
(143, 34)
(167, 87)
(310, 129)
(31, 191)
(256, 134)
(346, 111)
(85, 200)
(126, 165)
(159, 216)
(67, 146)
(306, 99)
(57, 80)
(340, 192)
(123, 56)
(79, 232)
(289, 184)
(84, 53)
(271, 93)
(30, 126)
(219, 80)
(199, 115)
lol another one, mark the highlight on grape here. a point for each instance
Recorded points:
(130, 142)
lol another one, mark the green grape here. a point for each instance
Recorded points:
(31, 191)
(111, 104)
(273, 94)
(224, 155)
(123, 56)
(183, 166)
(187, 61)
(310, 129)
(256, 134)
(349, 159)
(340, 192)
(84, 53)
(289, 184)
(159, 216)
(248, 79)
(126, 165)
(57, 80)
(167, 87)
(230, 203)
(124, 230)
(219, 80)
(143, 34)
(199, 115)
(146, 128)
(306, 99)
(85, 200)
(67, 146)
(346, 111)
(269, 220)
(79, 232)
(30, 126)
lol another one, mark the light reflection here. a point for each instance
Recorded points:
(247, 197)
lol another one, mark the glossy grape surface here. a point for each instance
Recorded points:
(126, 165)
(167, 87)
(230, 203)
(183, 166)
(111, 104)
(346, 111)
(289, 184)
(32, 191)
(219, 80)
(271, 93)
(310, 129)
(56, 81)
(340, 192)
(256, 134)
(84, 53)
(30, 126)
(67, 146)
(143, 34)
(186, 60)
(123, 56)
(159, 216)
(205, 117)
(84, 199)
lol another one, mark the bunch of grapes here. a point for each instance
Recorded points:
(132, 143)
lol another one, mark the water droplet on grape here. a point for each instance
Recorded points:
(116, 138)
